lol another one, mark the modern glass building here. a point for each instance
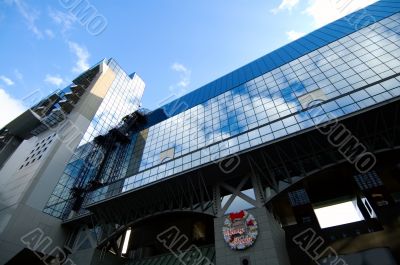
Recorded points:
(35, 149)
(346, 69)
(123, 97)
(290, 159)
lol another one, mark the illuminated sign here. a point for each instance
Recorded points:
(240, 230)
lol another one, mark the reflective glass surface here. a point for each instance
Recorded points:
(122, 98)
(357, 71)
(332, 72)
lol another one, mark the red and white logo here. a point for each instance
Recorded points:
(240, 230)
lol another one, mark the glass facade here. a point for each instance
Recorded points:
(354, 72)
(296, 49)
(123, 97)
(332, 72)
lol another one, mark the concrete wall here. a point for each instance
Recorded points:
(269, 247)
(69, 138)
(8, 149)
(25, 192)
(27, 222)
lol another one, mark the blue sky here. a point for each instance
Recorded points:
(175, 46)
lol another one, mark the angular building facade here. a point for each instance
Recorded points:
(291, 159)
(45, 137)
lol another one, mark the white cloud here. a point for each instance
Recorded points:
(294, 35)
(326, 11)
(82, 55)
(6, 80)
(18, 74)
(49, 33)
(66, 20)
(54, 80)
(184, 75)
(285, 5)
(323, 11)
(30, 15)
(11, 106)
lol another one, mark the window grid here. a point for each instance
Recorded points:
(267, 108)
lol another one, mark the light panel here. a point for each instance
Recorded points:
(338, 214)
(126, 241)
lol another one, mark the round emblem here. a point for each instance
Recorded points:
(240, 230)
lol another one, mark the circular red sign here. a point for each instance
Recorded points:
(240, 230)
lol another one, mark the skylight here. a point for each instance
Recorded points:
(338, 214)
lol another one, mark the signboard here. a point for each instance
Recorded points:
(240, 230)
